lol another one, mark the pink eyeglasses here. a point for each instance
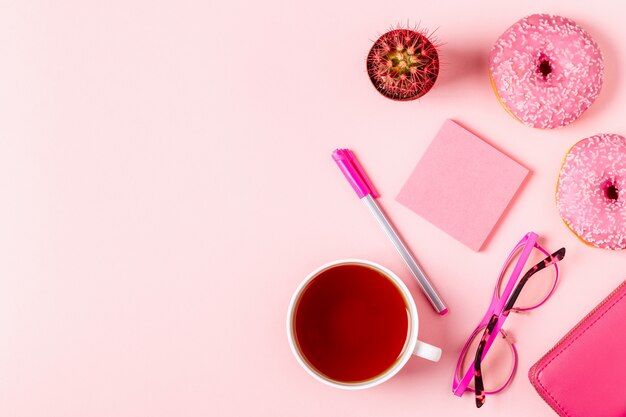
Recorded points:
(502, 360)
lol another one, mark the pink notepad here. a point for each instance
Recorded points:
(462, 185)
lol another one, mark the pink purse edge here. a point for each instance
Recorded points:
(566, 341)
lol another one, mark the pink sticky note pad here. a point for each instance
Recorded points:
(462, 185)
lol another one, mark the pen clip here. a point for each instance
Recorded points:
(354, 173)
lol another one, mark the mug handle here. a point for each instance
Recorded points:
(427, 351)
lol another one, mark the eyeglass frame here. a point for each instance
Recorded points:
(497, 308)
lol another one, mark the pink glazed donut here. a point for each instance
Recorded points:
(591, 192)
(546, 70)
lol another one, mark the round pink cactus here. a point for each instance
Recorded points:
(403, 64)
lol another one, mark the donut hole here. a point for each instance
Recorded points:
(544, 67)
(611, 192)
(610, 189)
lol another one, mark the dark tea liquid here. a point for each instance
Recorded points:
(351, 323)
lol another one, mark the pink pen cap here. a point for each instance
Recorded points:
(354, 173)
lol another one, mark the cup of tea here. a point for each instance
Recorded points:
(353, 324)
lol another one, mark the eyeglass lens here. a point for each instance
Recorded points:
(497, 366)
(538, 288)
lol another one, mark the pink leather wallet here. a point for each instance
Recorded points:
(584, 374)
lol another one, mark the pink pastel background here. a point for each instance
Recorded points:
(167, 182)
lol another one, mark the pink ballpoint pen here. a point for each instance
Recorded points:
(365, 191)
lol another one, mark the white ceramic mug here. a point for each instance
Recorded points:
(412, 346)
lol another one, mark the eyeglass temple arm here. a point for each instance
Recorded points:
(478, 377)
(550, 260)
